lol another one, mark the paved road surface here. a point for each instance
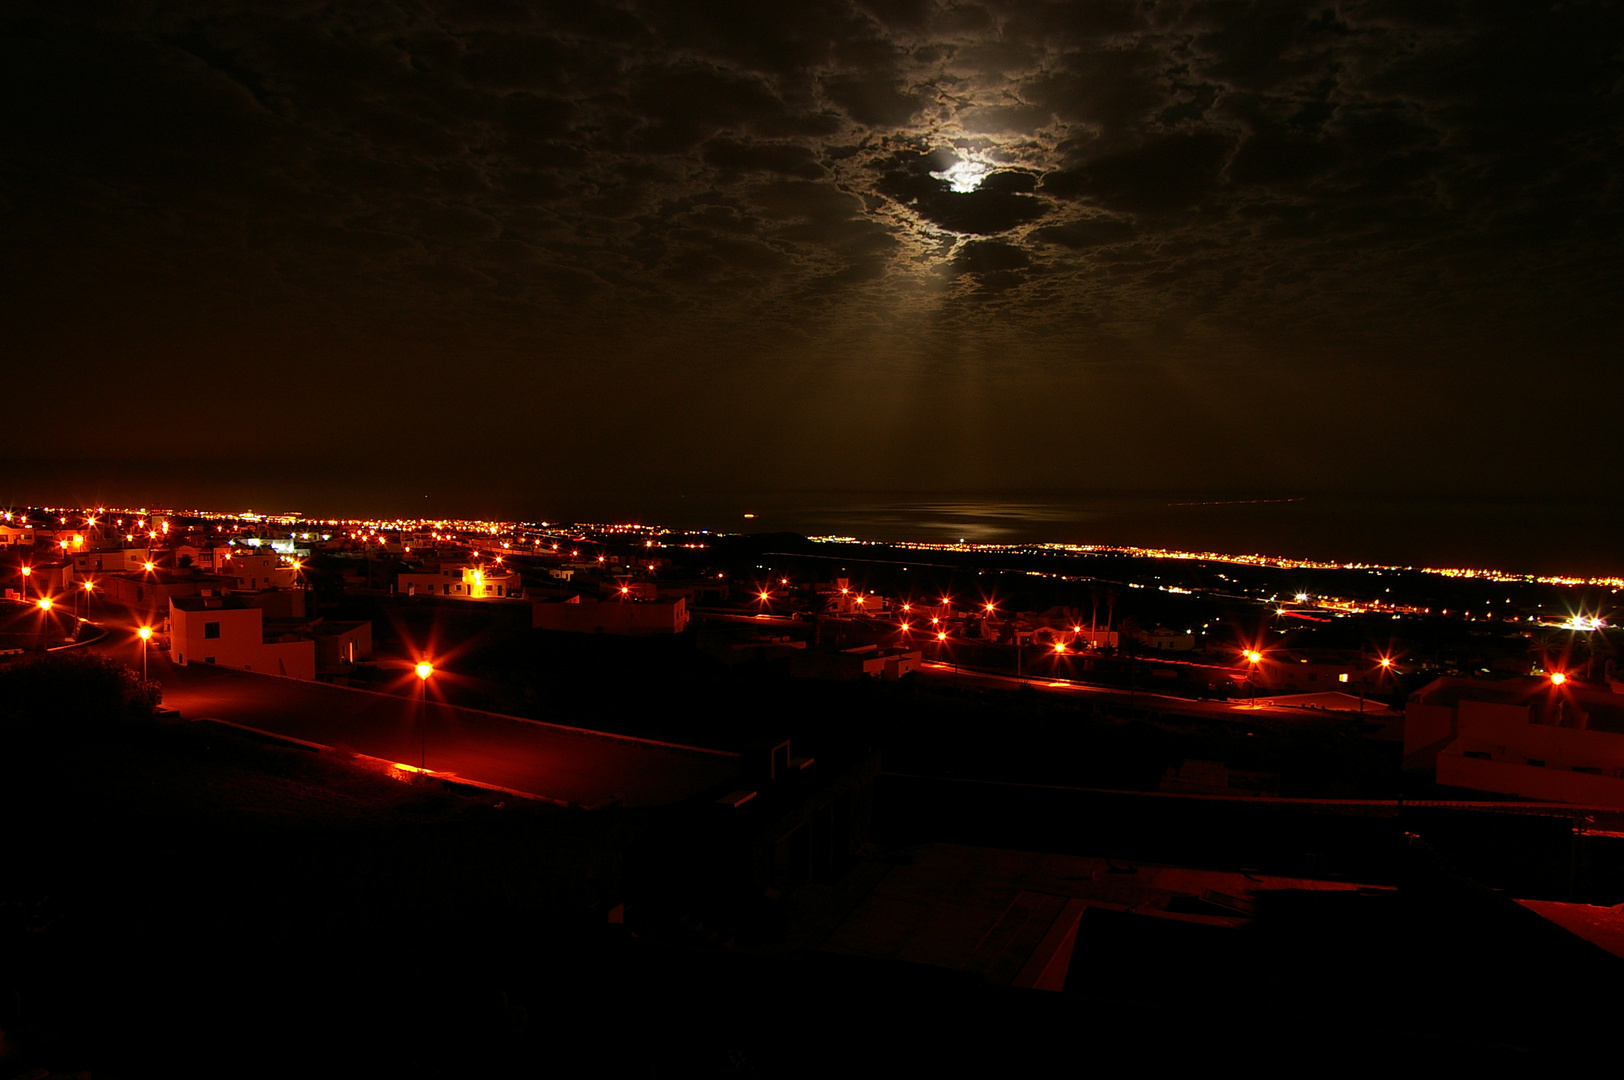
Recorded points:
(1142, 699)
(583, 768)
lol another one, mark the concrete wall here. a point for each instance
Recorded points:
(1545, 784)
(238, 645)
(294, 659)
(1427, 730)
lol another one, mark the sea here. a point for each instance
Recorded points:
(1582, 537)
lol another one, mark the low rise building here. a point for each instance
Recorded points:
(121, 560)
(340, 645)
(1536, 737)
(255, 570)
(148, 592)
(1304, 671)
(203, 556)
(225, 630)
(585, 615)
(1162, 639)
(862, 662)
(462, 581)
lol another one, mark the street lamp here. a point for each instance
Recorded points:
(27, 571)
(424, 669)
(86, 589)
(1383, 666)
(1253, 657)
(145, 633)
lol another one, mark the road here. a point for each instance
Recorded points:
(1148, 700)
(564, 764)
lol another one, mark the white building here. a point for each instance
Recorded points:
(462, 581)
(225, 630)
(1529, 736)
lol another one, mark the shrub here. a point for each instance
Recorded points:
(75, 686)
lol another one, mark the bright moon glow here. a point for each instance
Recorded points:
(964, 176)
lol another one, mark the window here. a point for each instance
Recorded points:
(211, 629)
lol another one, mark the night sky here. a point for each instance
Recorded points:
(523, 258)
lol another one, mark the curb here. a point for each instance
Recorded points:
(708, 751)
(384, 764)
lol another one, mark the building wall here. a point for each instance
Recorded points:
(256, 571)
(1506, 732)
(611, 616)
(459, 583)
(1427, 730)
(336, 650)
(293, 659)
(144, 593)
(47, 579)
(241, 643)
(279, 603)
(1542, 783)
(109, 561)
(238, 643)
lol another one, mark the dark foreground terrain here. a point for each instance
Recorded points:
(183, 899)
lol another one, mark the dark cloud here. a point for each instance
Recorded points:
(1085, 232)
(595, 187)
(1167, 174)
(786, 158)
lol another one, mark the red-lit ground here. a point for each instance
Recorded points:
(1145, 700)
(578, 767)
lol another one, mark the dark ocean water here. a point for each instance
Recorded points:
(1522, 535)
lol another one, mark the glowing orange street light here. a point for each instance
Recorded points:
(147, 566)
(941, 635)
(904, 628)
(424, 669)
(1557, 678)
(1253, 656)
(989, 608)
(1059, 647)
(145, 634)
(45, 603)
